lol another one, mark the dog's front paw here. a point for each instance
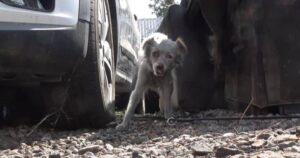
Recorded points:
(168, 115)
(159, 114)
(122, 126)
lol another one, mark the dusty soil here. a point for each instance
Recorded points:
(152, 138)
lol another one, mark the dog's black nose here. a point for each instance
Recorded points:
(160, 67)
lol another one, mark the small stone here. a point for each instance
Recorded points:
(89, 155)
(135, 154)
(68, 152)
(296, 149)
(243, 142)
(154, 151)
(177, 140)
(238, 156)
(109, 147)
(36, 149)
(201, 148)
(140, 139)
(38, 154)
(108, 156)
(269, 154)
(251, 135)
(70, 156)
(259, 143)
(73, 149)
(279, 131)
(286, 144)
(264, 136)
(92, 148)
(158, 139)
(208, 136)
(46, 137)
(285, 137)
(55, 155)
(99, 142)
(224, 152)
(12, 133)
(226, 135)
(291, 155)
(298, 131)
(291, 130)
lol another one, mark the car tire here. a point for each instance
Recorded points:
(88, 98)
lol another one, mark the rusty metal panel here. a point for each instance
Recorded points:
(196, 80)
(264, 57)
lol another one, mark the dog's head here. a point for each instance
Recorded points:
(164, 55)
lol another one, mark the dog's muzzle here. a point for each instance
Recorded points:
(159, 70)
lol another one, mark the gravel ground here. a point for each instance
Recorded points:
(152, 138)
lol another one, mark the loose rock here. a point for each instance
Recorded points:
(291, 155)
(249, 138)
(201, 148)
(259, 143)
(269, 154)
(264, 136)
(298, 131)
(89, 155)
(136, 154)
(285, 137)
(109, 147)
(296, 149)
(228, 135)
(224, 152)
(286, 144)
(54, 156)
(92, 148)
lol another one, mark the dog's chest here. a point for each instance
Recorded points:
(158, 82)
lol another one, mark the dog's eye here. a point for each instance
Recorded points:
(169, 56)
(155, 54)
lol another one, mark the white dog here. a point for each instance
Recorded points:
(157, 72)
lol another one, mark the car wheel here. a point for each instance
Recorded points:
(90, 94)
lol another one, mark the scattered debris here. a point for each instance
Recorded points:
(154, 138)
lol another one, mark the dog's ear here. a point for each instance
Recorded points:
(182, 51)
(148, 45)
(181, 46)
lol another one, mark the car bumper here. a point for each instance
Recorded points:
(64, 16)
(41, 55)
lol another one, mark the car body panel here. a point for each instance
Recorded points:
(42, 53)
(129, 44)
(64, 16)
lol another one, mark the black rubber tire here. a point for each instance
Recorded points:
(86, 103)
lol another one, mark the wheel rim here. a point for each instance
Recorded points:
(106, 74)
(105, 58)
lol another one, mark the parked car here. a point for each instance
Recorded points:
(77, 51)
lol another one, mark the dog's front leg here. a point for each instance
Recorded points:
(166, 100)
(135, 97)
(174, 96)
(161, 105)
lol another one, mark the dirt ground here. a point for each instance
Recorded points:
(156, 139)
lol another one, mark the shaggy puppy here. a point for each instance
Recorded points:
(157, 72)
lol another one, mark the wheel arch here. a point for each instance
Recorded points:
(84, 10)
(85, 13)
(113, 6)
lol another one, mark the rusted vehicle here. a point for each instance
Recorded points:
(255, 45)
